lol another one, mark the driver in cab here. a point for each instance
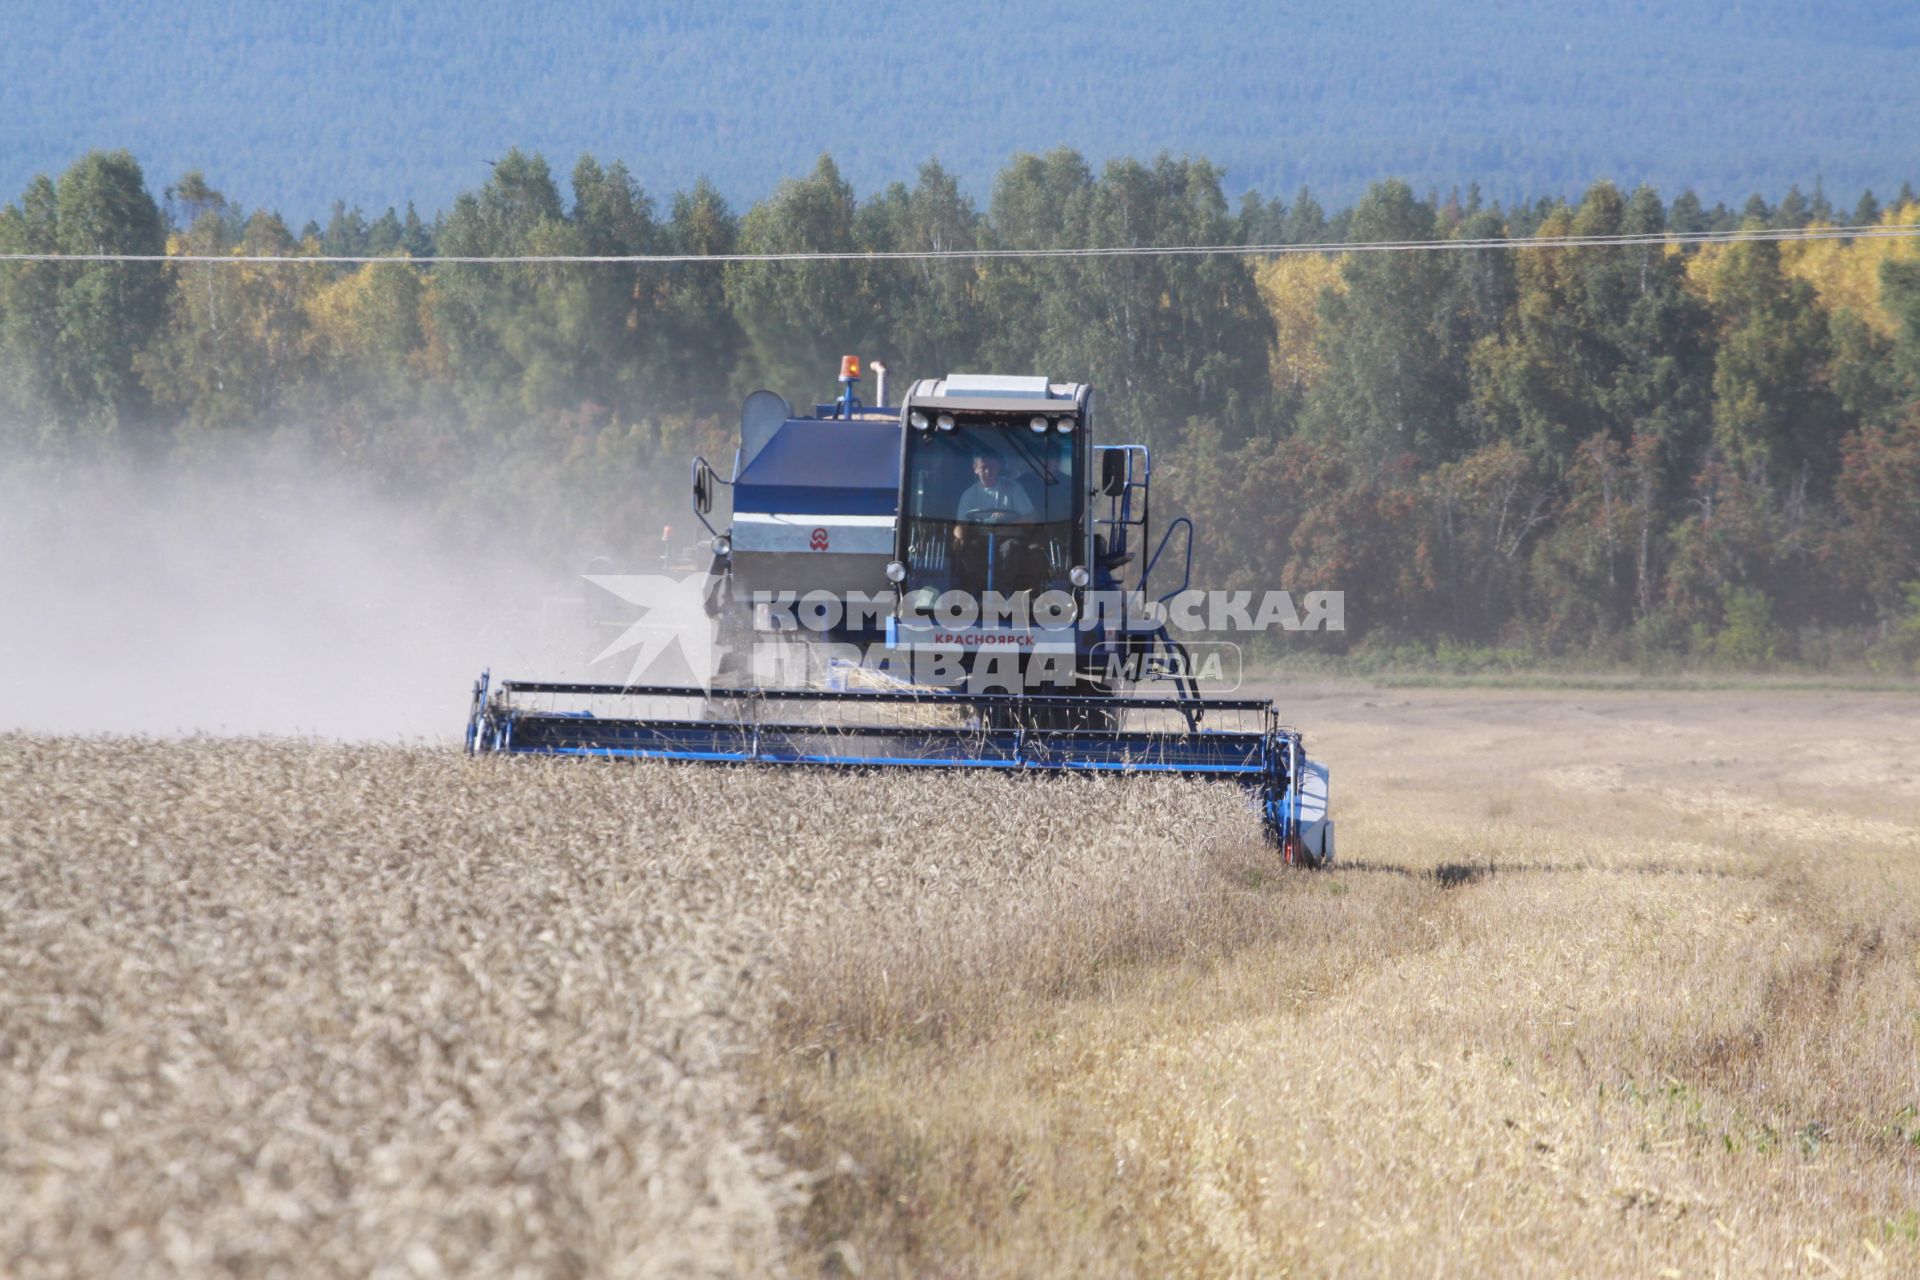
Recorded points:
(990, 499)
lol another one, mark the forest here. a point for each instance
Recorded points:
(295, 105)
(1648, 454)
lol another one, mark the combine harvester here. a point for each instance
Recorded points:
(841, 590)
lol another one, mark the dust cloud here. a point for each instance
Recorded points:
(260, 592)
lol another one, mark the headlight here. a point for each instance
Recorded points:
(1079, 576)
(1055, 609)
(918, 419)
(1064, 425)
(944, 422)
(1039, 426)
(896, 572)
(723, 545)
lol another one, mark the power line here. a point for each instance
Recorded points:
(1652, 239)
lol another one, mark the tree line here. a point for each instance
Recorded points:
(1626, 451)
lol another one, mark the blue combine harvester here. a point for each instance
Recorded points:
(954, 582)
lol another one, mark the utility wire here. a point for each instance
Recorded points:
(1653, 239)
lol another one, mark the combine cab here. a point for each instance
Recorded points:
(959, 582)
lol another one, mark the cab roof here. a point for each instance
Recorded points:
(997, 393)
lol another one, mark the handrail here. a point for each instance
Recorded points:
(1186, 575)
(1119, 518)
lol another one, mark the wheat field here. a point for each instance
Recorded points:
(1607, 983)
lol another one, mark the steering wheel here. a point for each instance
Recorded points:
(981, 515)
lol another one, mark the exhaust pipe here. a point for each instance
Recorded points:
(880, 383)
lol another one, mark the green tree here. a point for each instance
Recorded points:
(935, 324)
(79, 325)
(702, 338)
(233, 350)
(1165, 339)
(1339, 524)
(1863, 373)
(1744, 533)
(1878, 546)
(1774, 415)
(1586, 568)
(621, 346)
(1476, 520)
(1039, 202)
(31, 401)
(347, 234)
(1170, 338)
(190, 197)
(416, 241)
(1747, 638)
(799, 318)
(1687, 216)
(1260, 221)
(369, 341)
(383, 236)
(512, 331)
(1900, 294)
(1395, 380)
(1794, 210)
(1608, 341)
(1609, 346)
(1306, 220)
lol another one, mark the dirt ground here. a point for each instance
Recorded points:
(1605, 983)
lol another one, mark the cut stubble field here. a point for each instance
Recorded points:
(1607, 983)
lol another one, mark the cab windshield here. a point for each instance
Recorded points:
(989, 507)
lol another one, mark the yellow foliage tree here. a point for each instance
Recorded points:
(1846, 274)
(233, 349)
(1291, 287)
(334, 334)
(374, 323)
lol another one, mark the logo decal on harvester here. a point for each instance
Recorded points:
(819, 540)
(979, 639)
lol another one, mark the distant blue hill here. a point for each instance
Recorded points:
(293, 106)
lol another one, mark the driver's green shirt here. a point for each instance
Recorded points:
(1004, 495)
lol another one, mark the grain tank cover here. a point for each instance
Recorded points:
(813, 510)
(825, 468)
